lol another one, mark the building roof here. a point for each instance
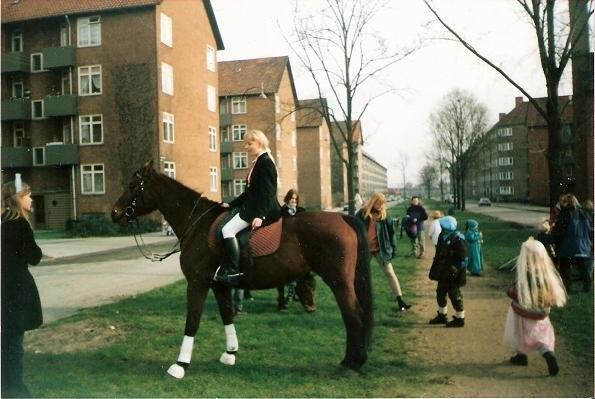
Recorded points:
(310, 112)
(371, 159)
(246, 77)
(25, 10)
(524, 113)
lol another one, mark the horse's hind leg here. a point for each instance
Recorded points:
(223, 297)
(196, 294)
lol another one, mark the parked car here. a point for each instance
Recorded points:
(484, 201)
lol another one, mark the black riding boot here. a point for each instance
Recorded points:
(229, 273)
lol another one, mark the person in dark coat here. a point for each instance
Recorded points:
(381, 242)
(21, 306)
(418, 215)
(257, 205)
(449, 268)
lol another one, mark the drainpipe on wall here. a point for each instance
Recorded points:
(72, 168)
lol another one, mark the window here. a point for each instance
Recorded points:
(18, 134)
(505, 147)
(238, 105)
(504, 131)
(213, 179)
(36, 62)
(92, 179)
(211, 98)
(227, 188)
(506, 190)
(38, 156)
(225, 134)
(168, 128)
(37, 109)
(167, 79)
(505, 175)
(64, 35)
(240, 160)
(89, 31)
(211, 58)
(17, 89)
(293, 138)
(294, 163)
(91, 129)
(238, 187)
(66, 131)
(278, 159)
(65, 83)
(166, 30)
(238, 132)
(277, 131)
(169, 169)
(89, 80)
(505, 161)
(212, 138)
(277, 104)
(16, 42)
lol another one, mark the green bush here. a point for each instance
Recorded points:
(102, 226)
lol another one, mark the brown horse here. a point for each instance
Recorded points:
(332, 245)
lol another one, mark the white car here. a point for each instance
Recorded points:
(484, 201)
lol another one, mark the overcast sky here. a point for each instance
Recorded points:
(398, 122)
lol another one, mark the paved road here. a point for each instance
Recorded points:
(523, 214)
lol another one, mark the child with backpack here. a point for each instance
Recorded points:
(474, 238)
(538, 287)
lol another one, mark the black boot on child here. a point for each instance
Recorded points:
(520, 359)
(439, 319)
(552, 363)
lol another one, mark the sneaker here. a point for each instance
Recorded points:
(520, 359)
(552, 363)
(456, 322)
(439, 319)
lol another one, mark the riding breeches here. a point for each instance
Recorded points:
(234, 226)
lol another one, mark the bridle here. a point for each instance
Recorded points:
(130, 210)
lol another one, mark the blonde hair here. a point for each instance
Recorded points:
(437, 215)
(538, 283)
(259, 137)
(11, 201)
(369, 206)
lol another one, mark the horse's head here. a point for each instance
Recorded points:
(137, 200)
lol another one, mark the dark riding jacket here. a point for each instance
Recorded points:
(259, 200)
(385, 233)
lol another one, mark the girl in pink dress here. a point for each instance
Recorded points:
(537, 289)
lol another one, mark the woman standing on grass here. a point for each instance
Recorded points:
(381, 239)
(21, 306)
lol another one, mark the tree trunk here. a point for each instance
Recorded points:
(554, 144)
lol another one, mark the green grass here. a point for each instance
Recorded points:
(290, 354)
(49, 234)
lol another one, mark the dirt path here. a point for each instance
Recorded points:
(472, 361)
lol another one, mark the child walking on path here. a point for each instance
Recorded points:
(474, 237)
(538, 287)
(381, 239)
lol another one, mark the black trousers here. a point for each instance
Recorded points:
(12, 365)
(586, 268)
(445, 288)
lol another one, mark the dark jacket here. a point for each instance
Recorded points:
(285, 210)
(418, 212)
(450, 261)
(385, 233)
(573, 233)
(21, 306)
(259, 200)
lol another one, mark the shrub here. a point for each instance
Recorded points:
(101, 226)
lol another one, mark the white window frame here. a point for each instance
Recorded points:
(239, 105)
(84, 27)
(506, 190)
(167, 78)
(239, 186)
(505, 161)
(240, 160)
(504, 132)
(64, 35)
(34, 152)
(92, 172)
(18, 139)
(213, 178)
(505, 176)
(212, 138)
(505, 146)
(169, 128)
(211, 98)
(88, 71)
(34, 55)
(91, 121)
(169, 169)
(166, 33)
(238, 132)
(13, 36)
(33, 116)
(277, 131)
(211, 58)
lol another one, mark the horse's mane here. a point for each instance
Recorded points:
(185, 190)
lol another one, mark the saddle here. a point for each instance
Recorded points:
(253, 243)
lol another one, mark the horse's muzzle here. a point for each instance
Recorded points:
(118, 216)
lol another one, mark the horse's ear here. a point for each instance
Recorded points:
(148, 168)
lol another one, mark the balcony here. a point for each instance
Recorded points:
(59, 154)
(16, 157)
(226, 147)
(15, 62)
(224, 120)
(226, 174)
(16, 109)
(64, 105)
(59, 57)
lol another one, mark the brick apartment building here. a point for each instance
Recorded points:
(257, 94)
(314, 155)
(93, 89)
(374, 176)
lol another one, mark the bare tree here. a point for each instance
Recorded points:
(556, 37)
(460, 125)
(342, 55)
(428, 176)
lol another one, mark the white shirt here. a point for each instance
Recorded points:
(434, 231)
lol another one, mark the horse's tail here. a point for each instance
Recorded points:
(363, 282)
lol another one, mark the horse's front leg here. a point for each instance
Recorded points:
(223, 296)
(196, 293)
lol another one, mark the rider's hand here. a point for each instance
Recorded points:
(224, 205)
(256, 223)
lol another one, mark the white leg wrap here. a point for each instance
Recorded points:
(231, 338)
(176, 371)
(443, 310)
(460, 315)
(186, 349)
(228, 359)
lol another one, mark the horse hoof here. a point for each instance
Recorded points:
(176, 371)
(228, 359)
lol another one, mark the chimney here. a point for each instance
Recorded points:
(518, 101)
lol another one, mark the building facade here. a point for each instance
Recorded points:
(338, 167)
(374, 178)
(257, 94)
(92, 90)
